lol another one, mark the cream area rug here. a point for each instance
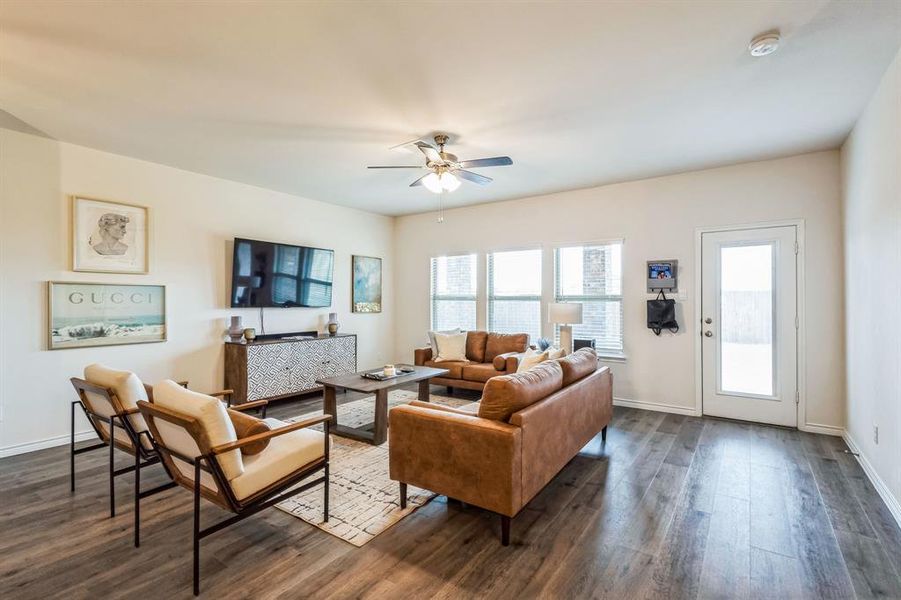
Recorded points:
(363, 500)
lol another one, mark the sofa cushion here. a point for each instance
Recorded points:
(285, 454)
(475, 345)
(480, 372)
(246, 426)
(499, 343)
(210, 414)
(507, 394)
(578, 365)
(455, 367)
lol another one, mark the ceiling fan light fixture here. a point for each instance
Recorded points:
(449, 181)
(432, 183)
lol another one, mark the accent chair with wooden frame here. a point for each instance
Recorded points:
(108, 397)
(198, 440)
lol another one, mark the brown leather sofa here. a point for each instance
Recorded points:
(499, 453)
(487, 355)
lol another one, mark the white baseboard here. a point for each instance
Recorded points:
(824, 429)
(890, 501)
(59, 440)
(667, 408)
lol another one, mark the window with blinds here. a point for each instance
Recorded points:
(514, 292)
(453, 292)
(593, 276)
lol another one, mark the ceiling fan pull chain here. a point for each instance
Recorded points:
(441, 207)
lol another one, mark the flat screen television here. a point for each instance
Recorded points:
(266, 274)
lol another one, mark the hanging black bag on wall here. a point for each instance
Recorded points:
(662, 314)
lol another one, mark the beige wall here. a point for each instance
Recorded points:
(657, 219)
(871, 161)
(194, 217)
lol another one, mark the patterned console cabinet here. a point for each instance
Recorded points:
(274, 369)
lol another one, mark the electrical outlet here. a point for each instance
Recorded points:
(876, 434)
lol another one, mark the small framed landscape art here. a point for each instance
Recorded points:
(367, 284)
(100, 314)
(109, 237)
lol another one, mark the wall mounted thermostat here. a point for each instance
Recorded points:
(662, 275)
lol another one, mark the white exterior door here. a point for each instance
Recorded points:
(749, 326)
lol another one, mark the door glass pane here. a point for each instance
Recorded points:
(746, 319)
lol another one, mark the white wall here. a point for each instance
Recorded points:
(193, 219)
(871, 161)
(657, 219)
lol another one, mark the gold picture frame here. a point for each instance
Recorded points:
(109, 236)
(366, 284)
(83, 314)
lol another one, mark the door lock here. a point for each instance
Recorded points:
(708, 334)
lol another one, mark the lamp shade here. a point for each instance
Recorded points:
(564, 313)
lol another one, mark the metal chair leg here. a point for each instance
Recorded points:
(137, 498)
(112, 469)
(604, 434)
(197, 527)
(72, 450)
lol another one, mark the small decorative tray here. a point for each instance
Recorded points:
(380, 376)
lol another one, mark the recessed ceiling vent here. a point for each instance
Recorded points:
(764, 44)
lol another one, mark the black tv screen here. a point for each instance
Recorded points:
(266, 274)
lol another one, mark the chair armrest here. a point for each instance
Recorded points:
(249, 405)
(475, 460)
(221, 393)
(236, 445)
(421, 355)
(508, 362)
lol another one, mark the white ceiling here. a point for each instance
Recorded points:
(301, 96)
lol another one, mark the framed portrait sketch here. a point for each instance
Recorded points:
(109, 237)
(100, 314)
(367, 284)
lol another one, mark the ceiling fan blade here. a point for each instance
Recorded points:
(398, 167)
(430, 152)
(473, 177)
(497, 161)
(419, 181)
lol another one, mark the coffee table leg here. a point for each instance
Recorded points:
(330, 405)
(424, 390)
(380, 428)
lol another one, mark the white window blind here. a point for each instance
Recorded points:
(514, 292)
(592, 275)
(453, 292)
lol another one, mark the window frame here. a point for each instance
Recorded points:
(435, 298)
(605, 353)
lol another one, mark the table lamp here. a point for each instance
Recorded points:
(565, 314)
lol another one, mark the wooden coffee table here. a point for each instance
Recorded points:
(358, 383)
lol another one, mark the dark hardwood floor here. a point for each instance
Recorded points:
(670, 507)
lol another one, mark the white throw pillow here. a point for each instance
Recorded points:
(434, 344)
(553, 353)
(530, 359)
(212, 416)
(451, 346)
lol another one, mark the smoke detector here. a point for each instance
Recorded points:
(765, 43)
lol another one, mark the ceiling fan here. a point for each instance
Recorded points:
(445, 169)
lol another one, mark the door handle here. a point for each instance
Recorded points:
(708, 334)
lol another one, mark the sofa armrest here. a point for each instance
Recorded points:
(508, 362)
(475, 460)
(420, 355)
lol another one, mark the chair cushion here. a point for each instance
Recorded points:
(128, 388)
(285, 454)
(508, 394)
(246, 426)
(499, 343)
(475, 345)
(530, 359)
(210, 414)
(480, 372)
(454, 367)
(577, 365)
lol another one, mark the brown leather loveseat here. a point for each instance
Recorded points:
(487, 355)
(528, 426)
